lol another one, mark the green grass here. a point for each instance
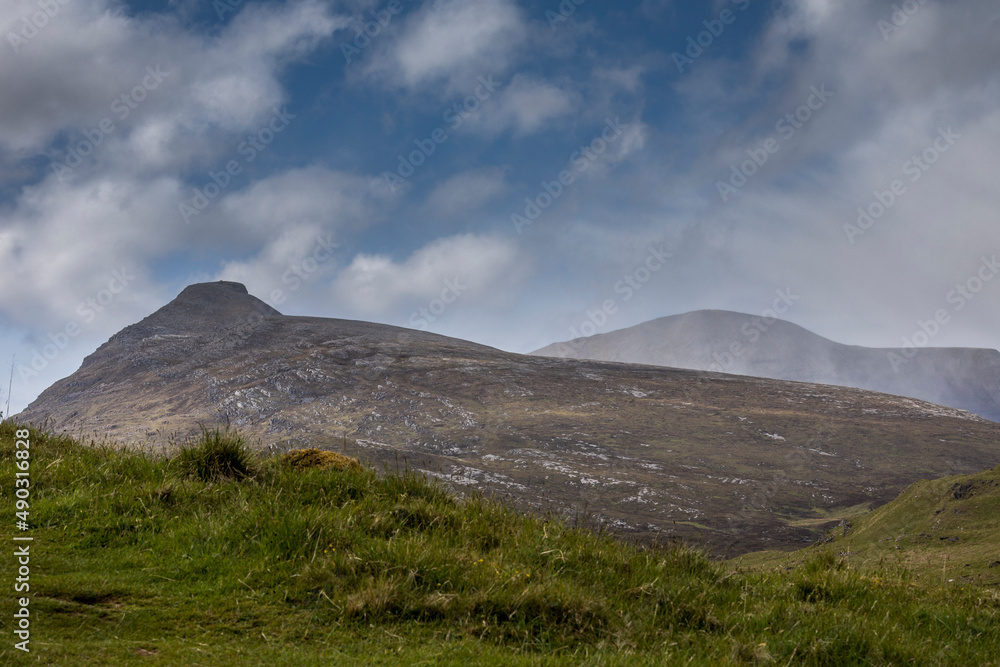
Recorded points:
(217, 455)
(943, 530)
(141, 559)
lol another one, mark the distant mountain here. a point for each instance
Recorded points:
(724, 341)
(732, 463)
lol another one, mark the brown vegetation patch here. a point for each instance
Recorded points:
(301, 459)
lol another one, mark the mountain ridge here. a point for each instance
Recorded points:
(726, 341)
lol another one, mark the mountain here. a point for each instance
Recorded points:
(718, 340)
(732, 463)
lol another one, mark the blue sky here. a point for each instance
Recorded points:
(606, 164)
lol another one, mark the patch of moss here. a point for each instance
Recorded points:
(302, 459)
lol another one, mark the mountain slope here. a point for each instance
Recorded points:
(944, 530)
(964, 378)
(735, 463)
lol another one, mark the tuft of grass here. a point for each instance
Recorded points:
(302, 459)
(217, 455)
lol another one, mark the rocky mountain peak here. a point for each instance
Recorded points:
(206, 307)
(204, 319)
(214, 288)
(220, 299)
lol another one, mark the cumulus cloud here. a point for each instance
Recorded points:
(301, 255)
(311, 195)
(293, 223)
(62, 241)
(526, 106)
(92, 63)
(477, 265)
(451, 42)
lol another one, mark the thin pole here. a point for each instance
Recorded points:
(10, 383)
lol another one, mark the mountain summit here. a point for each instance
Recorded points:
(734, 463)
(221, 300)
(724, 341)
(204, 305)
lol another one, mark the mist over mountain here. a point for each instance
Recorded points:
(729, 342)
(732, 463)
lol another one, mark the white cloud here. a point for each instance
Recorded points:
(376, 284)
(300, 255)
(632, 140)
(625, 78)
(621, 139)
(62, 242)
(451, 41)
(526, 106)
(288, 219)
(67, 78)
(311, 195)
(466, 192)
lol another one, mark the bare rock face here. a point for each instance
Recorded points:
(963, 378)
(733, 463)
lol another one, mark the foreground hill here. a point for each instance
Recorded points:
(140, 559)
(733, 463)
(718, 340)
(945, 530)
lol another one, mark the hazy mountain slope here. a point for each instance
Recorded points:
(964, 378)
(730, 461)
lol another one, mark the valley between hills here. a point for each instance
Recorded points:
(729, 463)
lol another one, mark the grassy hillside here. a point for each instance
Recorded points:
(943, 530)
(215, 557)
